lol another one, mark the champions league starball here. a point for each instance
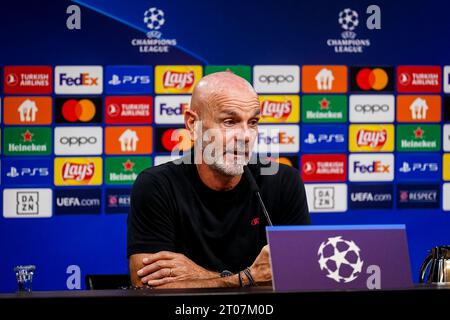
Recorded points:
(348, 19)
(340, 259)
(154, 18)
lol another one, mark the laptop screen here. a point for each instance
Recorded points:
(339, 257)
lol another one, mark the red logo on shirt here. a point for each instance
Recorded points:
(255, 221)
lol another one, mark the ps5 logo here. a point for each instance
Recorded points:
(31, 172)
(324, 138)
(129, 79)
(419, 167)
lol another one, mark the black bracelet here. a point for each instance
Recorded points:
(250, 277)
(240, 279)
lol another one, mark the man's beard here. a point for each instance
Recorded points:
(230, 162)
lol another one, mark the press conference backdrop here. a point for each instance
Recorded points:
(353, 95)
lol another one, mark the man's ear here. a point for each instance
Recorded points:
(190, 117)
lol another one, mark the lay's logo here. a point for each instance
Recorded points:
(176, 79)
(371, 138)
(78, 171)
(279, 109)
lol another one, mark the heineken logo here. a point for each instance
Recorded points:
(317, 108)
(418, 138)
(124, 170)
(27, 141)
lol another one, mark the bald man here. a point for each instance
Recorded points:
(195, 222)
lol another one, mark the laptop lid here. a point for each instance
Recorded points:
(339, 257)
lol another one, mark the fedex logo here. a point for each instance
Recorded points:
(170, 109)
(324, 138)
(417, 166)
(275, 139)
(84, 79)
(78, 80)
(371, 167)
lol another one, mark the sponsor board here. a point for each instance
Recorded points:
(371, 138)
(371, 167)
(27, 203)
(371, 196)
(276, 79)
(326, 197)
(77, 201)
(78, 171)
(418, 196)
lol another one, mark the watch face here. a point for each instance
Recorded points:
(226, 273)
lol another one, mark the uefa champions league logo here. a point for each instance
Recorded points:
(154, 19)
(340, 259)
(348, 19)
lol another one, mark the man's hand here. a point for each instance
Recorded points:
(165, 267)
(260, 269)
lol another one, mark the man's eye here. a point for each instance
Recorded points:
(228, 122)
(254, 122)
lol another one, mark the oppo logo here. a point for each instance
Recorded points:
(276, 78)
(371, 108)
(78, 141)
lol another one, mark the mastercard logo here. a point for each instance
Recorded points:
(372, 79)
(176, 139)
(78, 110)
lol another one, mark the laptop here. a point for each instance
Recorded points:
(307, 258)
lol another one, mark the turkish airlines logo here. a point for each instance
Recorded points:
(28, 79)
(325, 167)
(78, 79)
(124, 109)
(419, 79)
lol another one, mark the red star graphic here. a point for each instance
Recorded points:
(27, 136)
(324, 103)
(418, 133)
(128, 165)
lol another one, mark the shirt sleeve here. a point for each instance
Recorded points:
(150, 224)
(294, 205)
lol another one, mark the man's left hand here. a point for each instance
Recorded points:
(165, 267)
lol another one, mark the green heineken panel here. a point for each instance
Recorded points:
(418, 137)
(27, 141)
(124, 170)
(324, 108)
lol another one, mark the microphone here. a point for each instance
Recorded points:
(255, 189)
